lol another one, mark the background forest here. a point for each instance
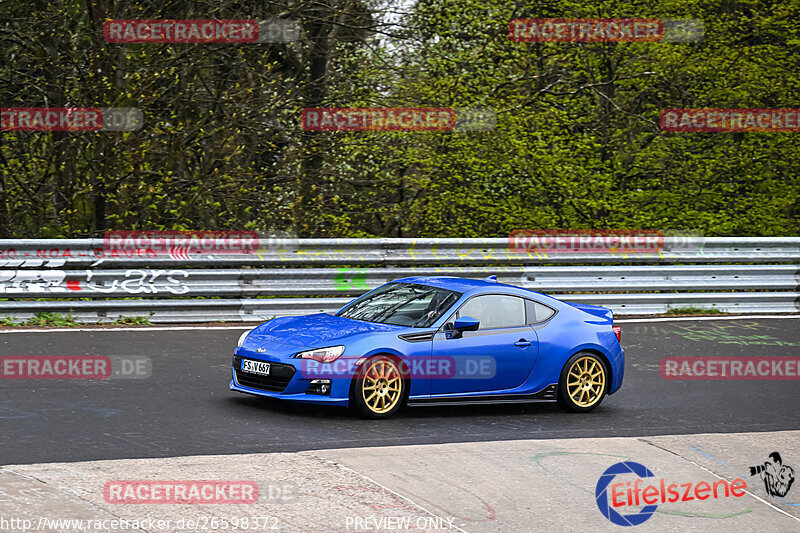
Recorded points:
(576, 145)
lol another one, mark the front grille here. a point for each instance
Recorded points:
(279, 377)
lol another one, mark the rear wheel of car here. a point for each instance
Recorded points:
(583, 383)
(379, 388)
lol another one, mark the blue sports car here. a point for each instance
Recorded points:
(436, 340)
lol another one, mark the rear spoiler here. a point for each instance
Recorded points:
(601, 312)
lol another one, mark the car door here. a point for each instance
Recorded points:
(499, 355)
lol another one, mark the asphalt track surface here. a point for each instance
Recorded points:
(185, 407)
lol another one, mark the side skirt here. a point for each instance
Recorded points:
(548, 394)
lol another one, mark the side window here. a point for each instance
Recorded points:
(495, 311)
(538, 312)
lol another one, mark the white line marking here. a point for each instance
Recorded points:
(384, 487)
(186, 328)
(747, 491)
(684, 318)
(156, 328)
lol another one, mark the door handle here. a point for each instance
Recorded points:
(522, 342)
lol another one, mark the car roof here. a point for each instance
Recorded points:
(454, 283)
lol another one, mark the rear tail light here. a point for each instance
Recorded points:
(617, 332)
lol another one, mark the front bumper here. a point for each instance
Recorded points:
(291, 380)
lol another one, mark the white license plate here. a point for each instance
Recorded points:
(255, 367)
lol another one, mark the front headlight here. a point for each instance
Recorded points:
(243, 337)
(323, 355)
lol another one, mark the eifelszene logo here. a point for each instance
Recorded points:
(632, 494)
(601, 496)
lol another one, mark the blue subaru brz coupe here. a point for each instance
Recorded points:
(433, 341)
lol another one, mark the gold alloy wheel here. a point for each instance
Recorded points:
(381, 386)
(586, 381)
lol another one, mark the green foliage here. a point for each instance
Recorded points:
(51, 319)
(134, 320)
(58, 320)
(694, 311)
(576, 145)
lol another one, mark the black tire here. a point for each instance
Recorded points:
(579, 388)
(379, 389)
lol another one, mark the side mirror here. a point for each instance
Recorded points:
(465, 323)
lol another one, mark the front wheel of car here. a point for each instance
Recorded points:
(583, 383)
(378, 389)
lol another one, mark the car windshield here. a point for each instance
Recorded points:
(402, 304)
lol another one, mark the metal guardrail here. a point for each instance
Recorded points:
(76, 253)
(268, 282)
(155, 283)
(251, 309)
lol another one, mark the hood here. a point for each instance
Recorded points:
(317, 330)
(597, 311)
